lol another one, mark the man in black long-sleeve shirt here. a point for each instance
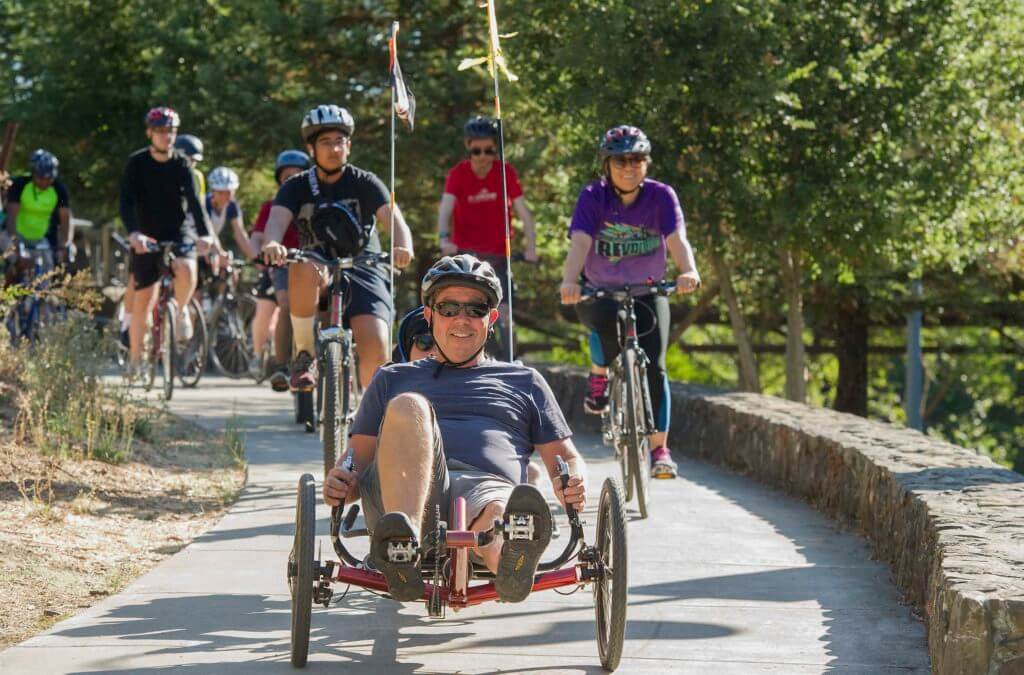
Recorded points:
(156, 188)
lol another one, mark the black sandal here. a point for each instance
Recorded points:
(401, 566)
(527, 534)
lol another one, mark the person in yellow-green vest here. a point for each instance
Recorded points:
(32, 202)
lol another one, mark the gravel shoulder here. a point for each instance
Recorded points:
(75, 530)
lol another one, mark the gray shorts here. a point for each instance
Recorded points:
(450, 479)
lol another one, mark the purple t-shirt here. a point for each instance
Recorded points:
(629, 241)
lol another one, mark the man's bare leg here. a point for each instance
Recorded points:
(184, 281)
(405, 456)
(142, 306)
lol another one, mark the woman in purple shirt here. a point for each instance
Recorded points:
(623, 230)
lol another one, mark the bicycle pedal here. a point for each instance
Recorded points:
(520, 527)
(401, 552)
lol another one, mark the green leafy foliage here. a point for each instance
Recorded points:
(877, 139)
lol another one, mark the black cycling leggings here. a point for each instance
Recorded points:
(652, 324)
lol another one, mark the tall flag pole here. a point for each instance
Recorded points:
(495, 60)
(403, 106)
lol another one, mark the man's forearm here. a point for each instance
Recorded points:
(529, 226)
(444, 216)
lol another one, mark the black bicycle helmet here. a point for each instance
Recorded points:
(480, 127)
(411, 325)
(624, 140)
(296, 158)
(43, 164)
(324, 117)
(461, 270)
(190, 146)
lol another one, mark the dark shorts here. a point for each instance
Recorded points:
(279, 278)
(145, 267)
(264, 287)
(450, 479)
(368, 292)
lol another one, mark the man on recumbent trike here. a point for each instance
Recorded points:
(456, 425)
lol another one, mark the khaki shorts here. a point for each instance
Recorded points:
(450, 479)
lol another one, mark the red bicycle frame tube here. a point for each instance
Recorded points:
(476, 595)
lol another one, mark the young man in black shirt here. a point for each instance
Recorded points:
(156, 188)
(334, 183)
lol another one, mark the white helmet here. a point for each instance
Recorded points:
(222, 178)
(326, 117)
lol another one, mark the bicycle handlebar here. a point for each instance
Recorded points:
(664, 287)
(296, 255)
(178, 246)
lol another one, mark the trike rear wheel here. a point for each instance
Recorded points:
(300, 568)
(610, 591)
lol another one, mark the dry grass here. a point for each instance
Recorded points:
(74, 529)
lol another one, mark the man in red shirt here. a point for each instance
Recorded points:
(470, 218)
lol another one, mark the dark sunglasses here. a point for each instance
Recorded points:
(622, 161)
(424, 341)
(474, 310)
(476, 152)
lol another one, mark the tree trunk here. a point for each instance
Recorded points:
(792, 275)
(852, 351)
(749, 379)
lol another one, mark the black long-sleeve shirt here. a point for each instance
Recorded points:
(154, 196)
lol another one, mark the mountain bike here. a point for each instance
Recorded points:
(186, 360)
(628, 421)
(337, 386)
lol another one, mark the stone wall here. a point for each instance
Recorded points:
(948, 521)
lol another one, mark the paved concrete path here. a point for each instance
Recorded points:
(726, 577)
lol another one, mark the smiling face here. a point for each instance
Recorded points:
(628, 171)
(459, 336)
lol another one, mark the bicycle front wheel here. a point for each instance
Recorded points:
(617, 424)
(167, 350)
(192, 360)
(333, 415)
(636, 431)
(230, 353)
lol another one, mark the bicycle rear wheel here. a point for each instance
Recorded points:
(636, 432)
(168, 350)
(192, 360)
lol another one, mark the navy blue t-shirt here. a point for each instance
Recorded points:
(491, 415)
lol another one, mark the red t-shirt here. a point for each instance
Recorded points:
(291, 235)
(478, 223)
